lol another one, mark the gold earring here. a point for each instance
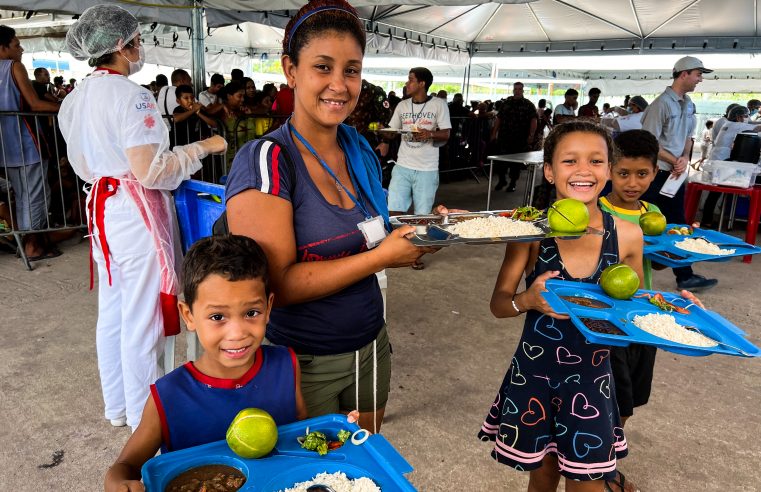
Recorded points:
(551, 181)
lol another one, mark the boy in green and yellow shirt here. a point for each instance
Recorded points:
(631, 176)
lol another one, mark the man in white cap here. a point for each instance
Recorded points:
(671, 118)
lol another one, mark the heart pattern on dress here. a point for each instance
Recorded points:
(559, 426)
(509, 407)
(516, 377)
(584, 442)
(576, 378)
(534, 414)
(547, 330)
(532, 351)
(508, 434)
(581, 408)
(604, 385)
(598, 356)
(556, 402)
(539, 445)
(565, 356)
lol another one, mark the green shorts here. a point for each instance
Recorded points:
(328, 382)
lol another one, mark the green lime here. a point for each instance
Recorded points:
(652, 223)
(252, 434)
(568, 215)
(619, 281)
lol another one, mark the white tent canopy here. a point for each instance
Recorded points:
(508, 34)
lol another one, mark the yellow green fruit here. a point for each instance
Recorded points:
(252, 433)
(568, 215)
(652, 223)
(619, 281)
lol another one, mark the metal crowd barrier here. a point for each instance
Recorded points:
(39, 192)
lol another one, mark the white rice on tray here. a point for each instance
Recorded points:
(665, 326)
(339, 482)
(484, 227)
(702, 247)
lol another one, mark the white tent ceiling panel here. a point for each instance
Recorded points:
(713, 17)
(561, 21)
(653, 14)
(174, 12)
(617, 12)
(521, 23)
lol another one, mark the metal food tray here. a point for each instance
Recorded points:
(661, 249)
(289, 463)
(620, 313)
(433, 230)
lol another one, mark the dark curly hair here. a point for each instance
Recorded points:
(638, 143)
(233, 257)
(316, 17)
(582, 126)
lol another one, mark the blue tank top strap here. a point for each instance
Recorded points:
(549, 256)
(196, 409)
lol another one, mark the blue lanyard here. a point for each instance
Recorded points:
(357, 202)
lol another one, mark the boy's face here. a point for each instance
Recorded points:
(230, 319)
(631, 177)
(186, 100)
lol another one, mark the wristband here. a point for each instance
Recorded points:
(515, 306)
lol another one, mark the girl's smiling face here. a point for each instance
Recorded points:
(580, 166)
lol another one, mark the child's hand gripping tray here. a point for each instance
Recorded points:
(665, 248)
(289, 463)
(607, 321)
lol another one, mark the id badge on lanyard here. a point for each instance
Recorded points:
(374, 231)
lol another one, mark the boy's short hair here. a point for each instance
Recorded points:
(571, 92)
(637, 143)
(7, 34)
(182, 89)
(217, 78)
(232, 256)
(594, 90)
(422, 74)
(709, 124)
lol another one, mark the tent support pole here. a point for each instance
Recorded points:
(198, 64)
(466, 78)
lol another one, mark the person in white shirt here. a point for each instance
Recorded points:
(209, 98)
(117, 144)
(167, 99)
(706, 139)
(567, 110)
(425, 119)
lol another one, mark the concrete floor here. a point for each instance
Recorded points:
(699, 431)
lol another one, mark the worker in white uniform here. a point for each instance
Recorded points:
(119, 146)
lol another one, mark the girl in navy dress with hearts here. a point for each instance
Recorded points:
(556, 412)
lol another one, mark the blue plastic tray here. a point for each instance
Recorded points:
(655, 246)
(289, 463)
(731, 339)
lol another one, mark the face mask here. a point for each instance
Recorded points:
(136, 66)
(753, 112)
(629, 110)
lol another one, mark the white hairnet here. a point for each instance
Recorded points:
(101, 29)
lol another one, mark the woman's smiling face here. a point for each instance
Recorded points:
(328, 79)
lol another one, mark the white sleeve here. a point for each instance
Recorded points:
(396, 118)
(442, 118)
(146, 142)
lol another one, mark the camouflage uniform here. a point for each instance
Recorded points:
(372, 107)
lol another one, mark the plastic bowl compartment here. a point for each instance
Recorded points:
(306, 472)
(583, 298)
(170, 471)
(671, 345)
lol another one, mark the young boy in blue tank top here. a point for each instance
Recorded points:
(227, 303)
